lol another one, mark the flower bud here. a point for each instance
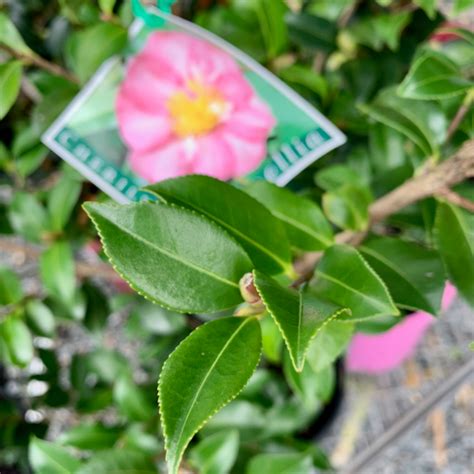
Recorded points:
(247, 289)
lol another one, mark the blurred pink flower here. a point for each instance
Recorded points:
(185, 107)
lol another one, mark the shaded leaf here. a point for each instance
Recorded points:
(333, 177)
(344, 277)
(195, 274)
(18, 340)
(10, 36)
(280, 463)
(261, 234)
(452, 236)
(298, 314)
(93, 436)
(414, 274)
(40, 318)
(119, 461)
(27, 216)
(305, 224)
(130, 399)
(208, 369)
(10, 287)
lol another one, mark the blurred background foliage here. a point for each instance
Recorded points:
(79, 356)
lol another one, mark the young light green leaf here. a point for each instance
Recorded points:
(280, 463)
(348, 206)
(18, 339)
(414, 274)
(27, 216)
(429, 7)
(107, 6)
(261, 234)
(329, 344)
(119, 461)
(272, 340)
(216, 454)
(130, 399)
(171, 255)
(10, 37)
(208, 369)
(433, 77)
(58, 272)
(298, 314)
(10, 81)
(345, 278)
(49, 458)
(10, 287)
(451, 235)
(305, 224)
(61, 201)
(40, 318)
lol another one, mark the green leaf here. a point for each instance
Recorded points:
(306, 77)
(376, 31)
(91, 436)
(87, 56)
(107, 6)
(333, 177)
(348, 206)
(298, 315)
(157, 320)
(10, 287)
(280, 463)
(172, 256)
(459, 6)
(311, 32)
(131, 400)
(433, 77)
(27, 216)
(18, 339)
(329, 344)
(10, 81)
(387, 152)
(119, 461)
(272, 340)
(305, 224)
(345, 278)
(451, 236)
(49, 458)
(9, 36)
(262, 235)
(40, 318)
(208, 369)
(414, 274)
(61, 201)
(58, 273)
(429, 7)
(216, 454)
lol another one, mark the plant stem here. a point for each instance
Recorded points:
(456, 199)
(460, 114)
(40, 62)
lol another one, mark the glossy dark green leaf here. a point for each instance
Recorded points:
(91, 436)
(10, 81)
(58, 272)
(40, 318)
(262, 235)
(348, 206)
(280, 463)
(50, 458)
(207, 370)
(216, 454)
(119, 461)
(305, 224)
(18, 340)
(329, 344)
(10, 287)
(298, 314)
(345, 278)
(452, 235)
(311, 32)
(173, 256)
(414, 274)
(432, 77)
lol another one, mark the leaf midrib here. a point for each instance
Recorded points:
(390, 265)
(302, 227)
(206, 377)
(175, 257)
(375, 302)
(284, 265)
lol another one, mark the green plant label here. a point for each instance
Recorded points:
(181, 100)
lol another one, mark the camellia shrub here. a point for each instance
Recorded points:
(357, 241)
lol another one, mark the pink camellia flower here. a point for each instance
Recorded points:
(185, 107)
